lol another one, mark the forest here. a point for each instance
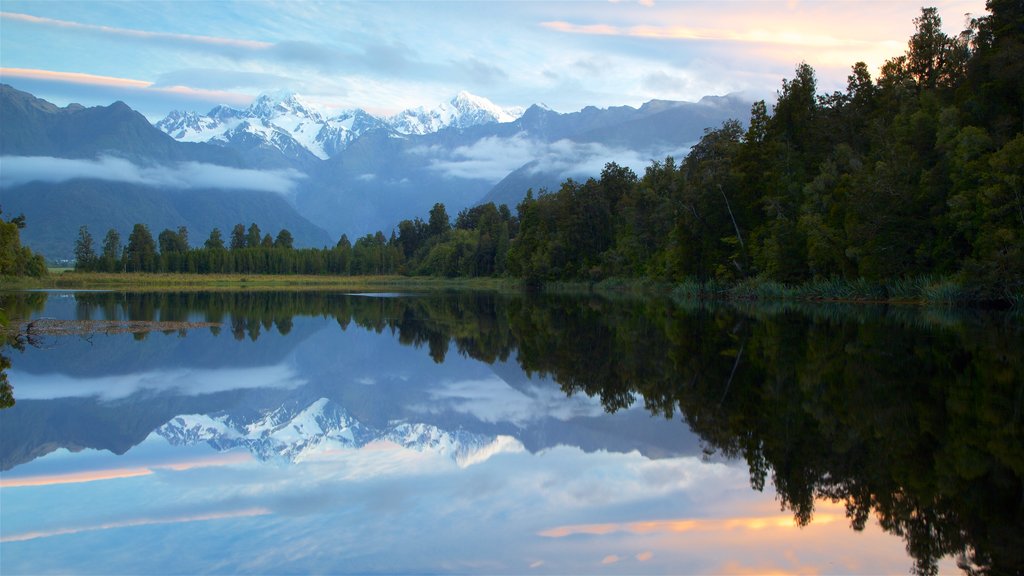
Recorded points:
(916, 174)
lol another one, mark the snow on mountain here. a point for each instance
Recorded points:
(462, 111)
(295, 433)
(287, 121)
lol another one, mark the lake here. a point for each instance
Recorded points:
(461, 432)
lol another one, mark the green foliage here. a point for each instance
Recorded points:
(15, 259)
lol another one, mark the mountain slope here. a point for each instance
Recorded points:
(108, 167)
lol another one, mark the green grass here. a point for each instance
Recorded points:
(925, 290)
(167, 282)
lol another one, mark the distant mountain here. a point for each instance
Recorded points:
(349, 172)
(108, 167)
(35, 127)
(287, 122)
(462, 111)
(383, 177)
(295, 432)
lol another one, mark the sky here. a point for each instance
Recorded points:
(388, 56)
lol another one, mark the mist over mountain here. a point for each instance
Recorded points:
(108, 167)
(284, 162)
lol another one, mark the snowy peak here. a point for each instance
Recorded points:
(296, 433)
(191, 127)
(285, 105)
(291, 124)
(462, 111)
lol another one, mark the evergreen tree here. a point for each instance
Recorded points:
(253, 238)
(284, 239)
(215, 241)
(111, 251)
(140, 253)
(85, 254)
(439, 223)
(238, 237)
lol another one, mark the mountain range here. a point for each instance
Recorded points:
(295, 432)
(285, 162)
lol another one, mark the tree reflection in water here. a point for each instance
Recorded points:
(910, 416)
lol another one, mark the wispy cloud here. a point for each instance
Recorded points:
(185, 175)
(793, 37)
(781, 521)
(492, 158)
(182, 40)
(183, 381)
(495, 401)
(118, 473)
(134, 522)
(164, 87)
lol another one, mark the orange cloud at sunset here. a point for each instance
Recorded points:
(128, 83)
(685, 525)
(119, 473)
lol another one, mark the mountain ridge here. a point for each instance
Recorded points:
(350, 173)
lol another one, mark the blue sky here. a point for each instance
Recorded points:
(387, 56)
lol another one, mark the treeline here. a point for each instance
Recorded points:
(477, 245)
(248, 251)
(919, 172)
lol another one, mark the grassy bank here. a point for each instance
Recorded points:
(923, 290)
(178, 282)
(920, 291)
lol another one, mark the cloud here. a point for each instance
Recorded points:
(676, 32)
(77, 477)
(314, 54)
(659, 81)
(78, 85)
(492, 158)
(217, 79)
(780, 521)
(182, 381)
(133, 522)
(18, 170)
(481, 72)
(178, 40)
(494, 401)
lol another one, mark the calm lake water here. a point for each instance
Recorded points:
(317, 432)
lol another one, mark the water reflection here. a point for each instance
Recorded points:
(849, 414)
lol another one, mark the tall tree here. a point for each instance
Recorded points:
(253, 238)
(284, 239)
(215, 241)
(140, 253)
(439, 224)
(85, 253)
(238, 238)
(111, 251)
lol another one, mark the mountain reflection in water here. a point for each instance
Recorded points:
(908, 417)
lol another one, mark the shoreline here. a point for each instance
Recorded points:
(945, 292)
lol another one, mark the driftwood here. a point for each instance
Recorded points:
(53, 327)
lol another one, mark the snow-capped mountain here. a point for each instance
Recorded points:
(289, 123)
(462, 111)
(295, 433)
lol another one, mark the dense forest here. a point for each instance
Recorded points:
(917, 173)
